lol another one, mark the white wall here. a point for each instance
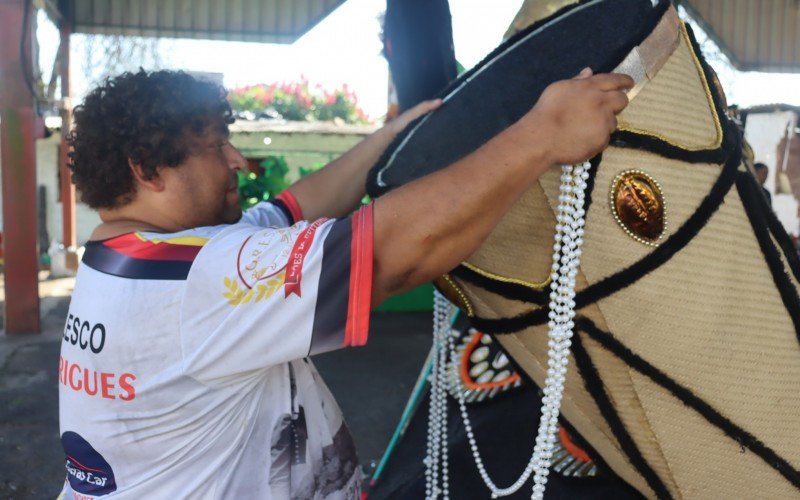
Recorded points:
(47, 175)
(764, 131)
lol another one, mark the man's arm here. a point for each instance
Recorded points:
(337, 189)
(429, 226)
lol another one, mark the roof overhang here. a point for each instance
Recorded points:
(267, 21)
(756, 35)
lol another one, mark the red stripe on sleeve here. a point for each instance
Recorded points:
(132, 246)
(358, 308)
(291, 203)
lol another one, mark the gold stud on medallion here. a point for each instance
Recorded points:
(638, 206)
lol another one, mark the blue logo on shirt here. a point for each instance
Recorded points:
(87, 470)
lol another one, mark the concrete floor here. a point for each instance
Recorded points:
(371, 383)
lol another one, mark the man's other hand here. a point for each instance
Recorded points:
(398, 124)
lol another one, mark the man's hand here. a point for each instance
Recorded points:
(398, 124)
(574, 119)
(428, 226)
(337, 189)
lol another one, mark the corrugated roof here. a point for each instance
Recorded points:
(756, 35)
(271, 21)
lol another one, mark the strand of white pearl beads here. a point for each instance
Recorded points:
(566, 259)
(495, 490)
(437, 414)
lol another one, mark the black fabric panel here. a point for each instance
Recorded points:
(637, 270)
(714, 417)
(597, 34)
(101, 258)
(750, 193)
(333, 294)
(595, 386)
(505, 429)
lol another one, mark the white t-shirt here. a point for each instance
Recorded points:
(184, 370)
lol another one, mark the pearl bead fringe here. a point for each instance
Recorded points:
(570, 221)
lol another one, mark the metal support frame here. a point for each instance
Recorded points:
(67, 188)
(18, 164)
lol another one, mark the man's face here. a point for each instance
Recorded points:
(761, 175)
(205, 185)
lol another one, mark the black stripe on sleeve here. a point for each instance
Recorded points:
(330, 315)
(284, 209)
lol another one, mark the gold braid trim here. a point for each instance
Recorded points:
(536, 286)
(454, 294)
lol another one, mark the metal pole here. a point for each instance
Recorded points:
(67, 188)
(18, 164)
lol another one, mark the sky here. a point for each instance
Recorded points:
(345, 48)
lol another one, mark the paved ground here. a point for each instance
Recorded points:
(371, 384)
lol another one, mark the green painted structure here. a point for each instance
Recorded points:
(302, 144)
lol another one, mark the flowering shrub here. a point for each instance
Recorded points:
(295, 101)
(254, 188)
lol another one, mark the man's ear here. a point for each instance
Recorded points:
(154, 183)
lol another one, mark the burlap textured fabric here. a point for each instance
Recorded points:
(711, 317)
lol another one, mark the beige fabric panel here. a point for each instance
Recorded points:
(529, 350)
(711, 317)
(527, 228)
(622, 393)
(684, 187)
(733, 345)
(676, 104)
(524, 230)
(687, 440)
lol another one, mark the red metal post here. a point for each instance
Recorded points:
(67, 188)
(18, 164)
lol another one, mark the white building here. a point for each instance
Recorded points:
(772, 132)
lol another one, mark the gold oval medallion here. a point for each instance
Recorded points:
(638, 206)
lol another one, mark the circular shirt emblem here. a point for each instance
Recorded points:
(637, 204)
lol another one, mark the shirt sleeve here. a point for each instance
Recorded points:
(281, 211)
(256, 297)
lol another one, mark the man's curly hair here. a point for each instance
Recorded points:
(148, 118)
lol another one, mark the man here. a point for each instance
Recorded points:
(184, 370)
(762, 171)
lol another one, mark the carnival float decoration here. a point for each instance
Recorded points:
(650, 293)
